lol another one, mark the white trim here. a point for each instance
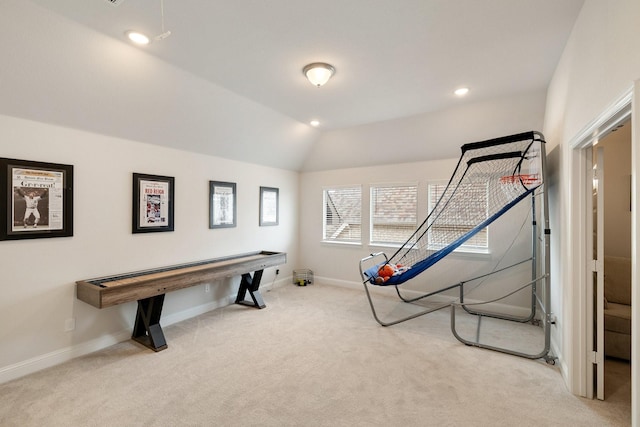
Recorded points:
(324, 214)
(615, 113)
(372, 209)
(341, 242)
(35, 364)
(575, 308)
(29, 366)
(577, 271)
(635, 265)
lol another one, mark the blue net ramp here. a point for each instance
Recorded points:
(490, 178)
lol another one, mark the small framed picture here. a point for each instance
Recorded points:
(268, 206)
(152, 203)
(37, 199)
(222, 204)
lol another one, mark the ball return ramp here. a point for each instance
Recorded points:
(490, 179)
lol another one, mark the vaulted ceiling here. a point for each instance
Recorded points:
(393, 58)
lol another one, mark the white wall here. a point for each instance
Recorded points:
(63, 73)
(428, 136)
(418, 149)
(38, 276)
(617, 192)
(598, 66)
(338, 263)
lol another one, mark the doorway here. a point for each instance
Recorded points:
(611, 200)
(587, 266)
(579, 364)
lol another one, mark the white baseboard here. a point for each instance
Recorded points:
(38, 363)
(57, 357)
(560, 361)
(336, 282)
(193, 311)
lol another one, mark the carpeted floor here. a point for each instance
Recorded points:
(313, 357)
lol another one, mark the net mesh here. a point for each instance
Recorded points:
(490, 177)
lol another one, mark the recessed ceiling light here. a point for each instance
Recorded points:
(137, 38)
(314, 123)
(462, 91)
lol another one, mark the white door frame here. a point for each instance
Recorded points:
(597, 287)
(622, 109)
(635, 265)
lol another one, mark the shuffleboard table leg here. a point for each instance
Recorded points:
(251, 285)
(147, 330)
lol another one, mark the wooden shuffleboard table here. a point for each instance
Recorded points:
(149, 287)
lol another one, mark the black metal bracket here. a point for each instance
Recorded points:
(147, 330)
(251, 285)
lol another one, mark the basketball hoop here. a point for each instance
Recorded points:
(526, 179)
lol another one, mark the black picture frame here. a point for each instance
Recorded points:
(222, 204)
(269, 206)
(153, 203)
(37, 199)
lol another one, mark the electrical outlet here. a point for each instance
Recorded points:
(70, 324)
(277, 271)
(207, 287)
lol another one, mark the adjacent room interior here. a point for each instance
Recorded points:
(616, 241)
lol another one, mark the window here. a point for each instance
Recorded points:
(393, 213)
(342, 214)
(475, 211)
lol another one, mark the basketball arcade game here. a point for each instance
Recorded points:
(503, 172)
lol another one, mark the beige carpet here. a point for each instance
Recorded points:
(313, 357)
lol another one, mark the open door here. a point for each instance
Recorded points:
(595, 285)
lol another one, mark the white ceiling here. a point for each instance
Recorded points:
(394, 58)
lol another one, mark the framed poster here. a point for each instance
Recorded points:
(268, 206)
(222, 204)
(152, 203)
(37, 199)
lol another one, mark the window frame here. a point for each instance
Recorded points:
(372, 213)
(325, 204)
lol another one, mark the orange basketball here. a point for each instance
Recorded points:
(385, 271)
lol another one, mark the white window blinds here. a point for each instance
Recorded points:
(343, 214)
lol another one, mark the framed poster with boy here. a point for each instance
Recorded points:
(37, 199)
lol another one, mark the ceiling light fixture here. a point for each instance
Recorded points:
(314, 123)
(164, 33)
(462, 91)
(318, 73)
(138, 38)
(142, 39)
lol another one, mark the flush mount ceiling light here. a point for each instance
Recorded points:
(462, 91)
(318, 73)
(314, 123)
